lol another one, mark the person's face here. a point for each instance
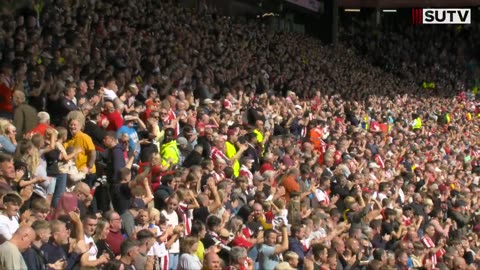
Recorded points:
(430, 231)
(301, 233)
(7, 169)
(91, 84)
(271, 239)
(172, 205)
(27, 240)
(163, 113)
(294, 262)
(61, 237)
(109, 107)
(105, 231)
(44, 235)
(133, 253)
(212, 262)
(403, 259)
(115, 222)
(40, 214)
(143, 218)
(11, 209)
(108, 141)
(340, 248)
(202, 233)
(332, 263)
(74, 127)
(90, 226)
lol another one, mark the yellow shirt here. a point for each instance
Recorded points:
(84, 142)
(169, 151)
(230, 152)
(200, 251)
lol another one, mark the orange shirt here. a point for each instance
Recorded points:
(291, 185)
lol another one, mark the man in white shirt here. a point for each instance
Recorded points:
(89, 259)
(9, 217)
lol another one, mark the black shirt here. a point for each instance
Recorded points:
(121, 196)
(51, 157)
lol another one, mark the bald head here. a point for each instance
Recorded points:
(23, 237)
(83, 191)
(212, 261)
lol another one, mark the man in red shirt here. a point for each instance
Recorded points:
(114, 118)
(43, 124)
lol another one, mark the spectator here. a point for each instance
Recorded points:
(10, 256)
(24, 115)
(269, 251)
(114, 238)
(9, 222)
(129, 250)
(188, 260)
(8, 133)
(43, 124)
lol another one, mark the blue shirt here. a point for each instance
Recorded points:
(133, 142)
(267, 257)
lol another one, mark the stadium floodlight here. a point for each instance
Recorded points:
(389, 10)
(352, 10)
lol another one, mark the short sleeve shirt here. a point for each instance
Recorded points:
(267, 257)
(84, 142)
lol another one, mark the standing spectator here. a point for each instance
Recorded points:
(269, 251)
(6, 91)
(128, 128)
(173, 221)
(10, 256)
(112, 115)
(67, 103)
(115, 162)
(169, 149)
(85, 160)
(24, 115)
(43, 124)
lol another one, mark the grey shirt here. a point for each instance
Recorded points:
(128, 223)
(10, 257)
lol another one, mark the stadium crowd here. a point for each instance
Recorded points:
(141, 135)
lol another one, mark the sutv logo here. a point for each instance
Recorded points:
(441, 16)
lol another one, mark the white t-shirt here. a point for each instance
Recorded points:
(172, 219)
(92, 252)
(320, 196)
(8, 226)
(109, 94)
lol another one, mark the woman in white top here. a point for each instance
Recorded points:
(172, 220)
(188, 260)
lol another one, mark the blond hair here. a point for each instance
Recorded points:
(4, 125)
